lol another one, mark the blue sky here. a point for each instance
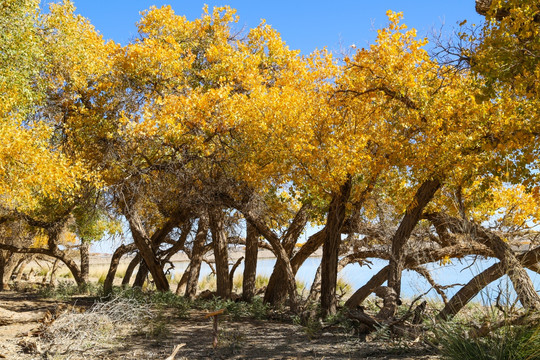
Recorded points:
(304, 25)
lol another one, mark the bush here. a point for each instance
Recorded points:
(506, 343)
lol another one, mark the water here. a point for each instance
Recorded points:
(458, 272)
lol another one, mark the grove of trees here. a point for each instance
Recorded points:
(195, 130)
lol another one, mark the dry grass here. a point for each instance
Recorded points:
(101, 327)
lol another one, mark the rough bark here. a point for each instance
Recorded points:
(250, 264)
(3, 284)
(84, 250)
(196, 257)
(142, 274)
(221, 256)
(147, 250)
(275, 293)
(413, 214)
(363, 292)
(521, 281)
(182, 284)
(113, 267)
(480, 281)
(315, 290)
(332, 242)
(274, 241)
(233, 270)
(129, 270)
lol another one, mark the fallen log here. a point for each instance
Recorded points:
(8, 317)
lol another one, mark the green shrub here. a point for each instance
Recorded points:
(506, 343)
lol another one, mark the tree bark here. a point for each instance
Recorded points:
(196, 257)
(413, 214)
(480, 281)
(275, 292)
(22, 267)
(250, 264)
(332, 242)
(84, 250)
(129, 270)
(142, 274)
(221, 256)
(147, 250)
(315, 290)
(182, 284)
(113, 267)
(3, 285)
(521, 281)
(363, 292)
(231, 273)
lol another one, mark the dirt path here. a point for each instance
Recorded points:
(245, 339)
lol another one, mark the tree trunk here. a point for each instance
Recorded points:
(182, 284)
(332, 242)
(480, 281)
(273, 239)
(196, 257)
(250, 264)
(362, 293)
(315, 290)
(3, 284)
(22, 267)
(84, 250)
(521, 281)
(113, 267)
(129, 270)
(146, 249)
(473, 287)
(413, 214)
(221, 256)
(275, 292)
(142, 274)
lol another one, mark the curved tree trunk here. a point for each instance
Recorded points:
(275, 292)
(332, 242)
(250, 265)
(480, 281)
(413, 214)
(363, 292)
(146, 249)
(182, 284)
(221, 256)
(196, 257)
(22, 267)
(113, 267)
(315, 290)
(129, 270)
(521, 281)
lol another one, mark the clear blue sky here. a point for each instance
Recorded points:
(304, 25)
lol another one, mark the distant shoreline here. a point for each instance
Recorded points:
(234, 255)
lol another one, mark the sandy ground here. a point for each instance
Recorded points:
(244, 339)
